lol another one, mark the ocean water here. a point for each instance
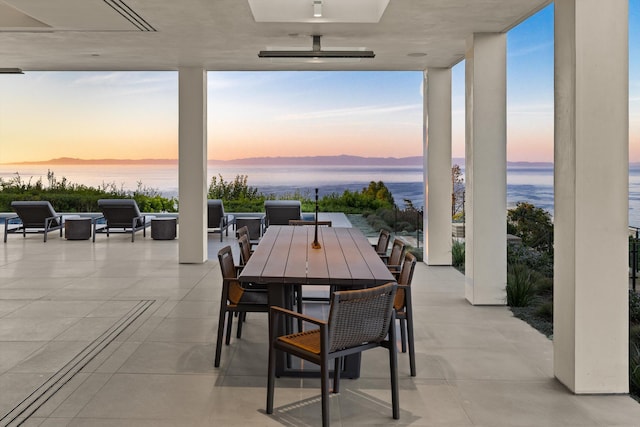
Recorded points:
(528, 184)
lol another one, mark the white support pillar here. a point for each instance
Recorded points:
(192, 164)
(486, 169)
(591, 195)
(437, 153)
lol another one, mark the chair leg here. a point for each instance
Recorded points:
(324, 385)
(241, 319)
(393, 373)
(403, 335)
(271, 378)
(336, 374)
(229, 325)
(298, 291)
(412, 347)
(219, 338)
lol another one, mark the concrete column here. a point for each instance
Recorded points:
(486, 169)
(437, 153)
(591, 195)
(192, 164)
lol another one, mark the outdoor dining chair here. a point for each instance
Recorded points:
(358, 320)
(235, 299)
(404, 308)
(245, 246)
(279, 212)
(394, 258)
(382, 244)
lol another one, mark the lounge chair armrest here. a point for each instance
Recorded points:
(274, 310)
(9, 218)
(50, 219)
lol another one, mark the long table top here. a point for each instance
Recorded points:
(285, 255)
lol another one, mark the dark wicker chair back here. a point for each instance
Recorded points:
(245, 248)
(279, 212)
(383, 242)
(360, 316)
(243, 231)
(397, 250)
(405, 278)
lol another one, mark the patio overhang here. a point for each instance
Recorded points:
(223, 35)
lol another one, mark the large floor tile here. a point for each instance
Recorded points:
(168, 397)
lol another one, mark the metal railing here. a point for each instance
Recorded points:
(634, 247)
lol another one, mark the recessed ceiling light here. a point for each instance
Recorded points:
(318, 11)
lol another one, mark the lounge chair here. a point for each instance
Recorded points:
(35, 216)
(121, 216)
(217, 220)
(280, 212)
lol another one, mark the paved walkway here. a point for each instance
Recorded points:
(118, 333)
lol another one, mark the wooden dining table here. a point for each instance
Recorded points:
(285, 257)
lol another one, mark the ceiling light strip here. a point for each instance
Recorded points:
(130, 15)
(317, 52)
(11, 71)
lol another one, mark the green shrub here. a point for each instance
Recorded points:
(545, 285)
(540, 261)
(457, 254)
(68, 197)
(545, 311)
(417, 252)
(634, 307)
(634, 364)
(532, 224)
(521, 285)
(634, 331)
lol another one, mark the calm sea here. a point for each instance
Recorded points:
(530, 184)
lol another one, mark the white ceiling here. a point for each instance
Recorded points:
(223, 35)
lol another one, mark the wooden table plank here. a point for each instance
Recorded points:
(379, 270)
(358, 267)
(259, 258)
(338, 272)
(296, 269)
(284, 255)
(274, 269)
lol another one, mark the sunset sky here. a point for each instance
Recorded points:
(46, 115)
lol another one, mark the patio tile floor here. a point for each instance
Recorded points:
(477, 366)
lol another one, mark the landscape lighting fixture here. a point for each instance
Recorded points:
(317, 8)
(316, 53)
(11, 71)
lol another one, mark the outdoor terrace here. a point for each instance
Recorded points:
(146, 328)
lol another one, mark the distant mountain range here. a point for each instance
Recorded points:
(341, 160)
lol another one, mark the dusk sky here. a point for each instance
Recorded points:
(46, 115)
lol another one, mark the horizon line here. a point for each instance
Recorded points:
(76, 160)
